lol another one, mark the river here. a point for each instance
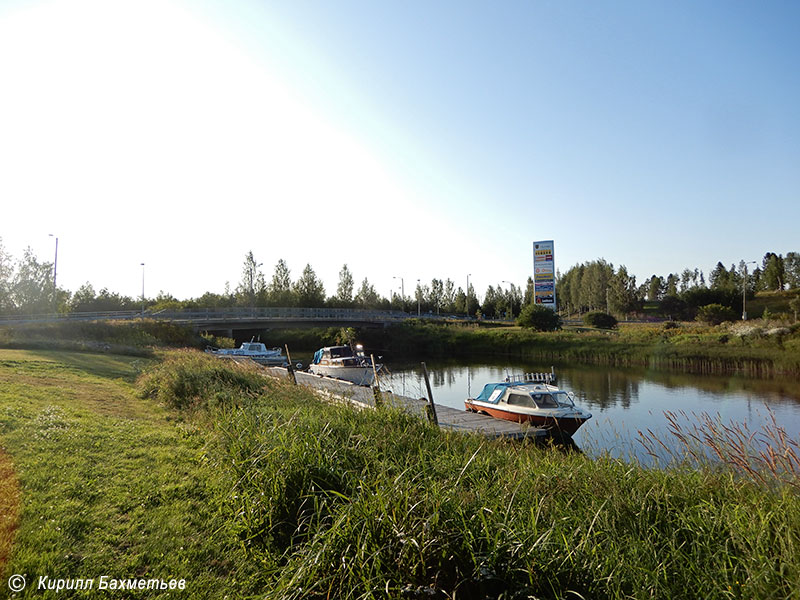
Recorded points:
(623, 402)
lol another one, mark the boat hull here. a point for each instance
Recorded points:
(357, 375)
(568, 425)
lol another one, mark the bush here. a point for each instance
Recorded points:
(539, 317)
(600, 320)
(191, 379)
(714, 314)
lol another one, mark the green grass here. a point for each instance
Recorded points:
(111, 484)
(251, 488)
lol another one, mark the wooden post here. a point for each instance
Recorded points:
(376, 389)
(290, 368)
(431, 406)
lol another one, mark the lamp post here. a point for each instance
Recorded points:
(142, 264)
(744, 289)
(55, 272)
(402, 291)
(419, 298)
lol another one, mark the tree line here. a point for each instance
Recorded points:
(598, 286)
(27, 287)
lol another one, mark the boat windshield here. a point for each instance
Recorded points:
(341, 352)
(545, 400)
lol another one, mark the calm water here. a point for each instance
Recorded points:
(623, 402)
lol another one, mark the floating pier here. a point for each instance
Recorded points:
(448, 418)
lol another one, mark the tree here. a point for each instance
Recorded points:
(367, 297)
(774, 271)
(6, 277)
(449, 296)
(279, 291)
(344, 291)
(436, 295)
(791, 265)
(32, 287)
(655, 288)
(490, 302)
(719, 279)
(622, 294)
(672, 284)
(309, 290)
(541, 318)
(252, 286)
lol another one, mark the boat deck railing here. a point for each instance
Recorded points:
(548, 378)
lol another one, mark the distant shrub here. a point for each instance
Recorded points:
(671, 325)
(541, 318)
(600, 320)
(714, 314)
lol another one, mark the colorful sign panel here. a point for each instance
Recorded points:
(544, 274)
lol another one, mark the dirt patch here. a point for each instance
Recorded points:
(9, 507)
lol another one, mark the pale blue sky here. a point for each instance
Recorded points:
(417, 139)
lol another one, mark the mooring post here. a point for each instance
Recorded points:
(290, 368)
(376, 389)
(431, 406)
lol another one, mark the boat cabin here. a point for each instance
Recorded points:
(525, 395)
(339, 355)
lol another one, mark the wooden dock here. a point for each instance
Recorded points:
(449, 418)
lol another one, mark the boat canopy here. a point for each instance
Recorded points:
(492, 392)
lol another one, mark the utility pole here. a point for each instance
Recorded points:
(142, 290)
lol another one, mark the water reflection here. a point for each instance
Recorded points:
(624, 402)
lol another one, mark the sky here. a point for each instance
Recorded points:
(408, 140)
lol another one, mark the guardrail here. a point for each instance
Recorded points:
(208, 315)
(220, 314)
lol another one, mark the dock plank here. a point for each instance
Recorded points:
(449, 418)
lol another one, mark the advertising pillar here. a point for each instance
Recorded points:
(544, 274)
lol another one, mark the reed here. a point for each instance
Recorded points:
(766, 456)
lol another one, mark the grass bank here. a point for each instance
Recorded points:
(756, 350)
(107, 483)
(136, 337)
(254, 488)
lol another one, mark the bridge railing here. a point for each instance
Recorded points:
(279, 313)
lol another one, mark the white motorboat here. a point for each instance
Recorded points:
(344, 362)
(255, 351)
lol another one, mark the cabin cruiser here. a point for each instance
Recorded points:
(255, 351)
(344, 362)
(540, 404)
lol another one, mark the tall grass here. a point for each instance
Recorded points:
(327, 502)
(766, 456)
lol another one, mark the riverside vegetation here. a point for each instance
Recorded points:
(251, 487)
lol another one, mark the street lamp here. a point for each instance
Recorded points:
(419, 298)
(142, 264)
(744, 289)
(55, 272)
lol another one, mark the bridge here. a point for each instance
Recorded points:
(227, 321)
